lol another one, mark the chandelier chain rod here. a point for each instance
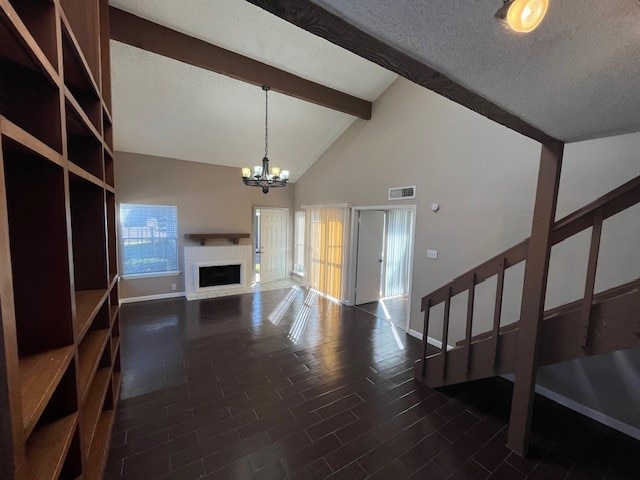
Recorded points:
(266, 122)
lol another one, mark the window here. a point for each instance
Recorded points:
(149, 236)
(298, 249)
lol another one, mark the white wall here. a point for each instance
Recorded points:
(483, 176)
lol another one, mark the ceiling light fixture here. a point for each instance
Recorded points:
(263, 176)
(522, 16)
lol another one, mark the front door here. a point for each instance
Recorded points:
(369, 260)
(273, 244)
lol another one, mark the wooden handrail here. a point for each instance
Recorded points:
(591, 215)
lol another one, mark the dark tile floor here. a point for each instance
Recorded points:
(285, 384)
(393, 309)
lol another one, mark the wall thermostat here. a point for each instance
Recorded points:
(435, 207)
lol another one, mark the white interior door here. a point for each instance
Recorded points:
(273, 244)
(369, 257)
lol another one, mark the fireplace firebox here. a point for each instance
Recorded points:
(218, 275)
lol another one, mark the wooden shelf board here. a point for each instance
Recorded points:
(29, 142)
(89, 353)
(97, 458)
(10, 18)
(82, 173)
(113, 313)
(115, 343)
(48, 446)
(113, 280)
(203, 237)
(117, 382)
(90, 413)
(106, 111)
(107, 149)
(88, 302)
(67, 30)
(40, 374)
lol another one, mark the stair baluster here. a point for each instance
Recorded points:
(425, 337)
(469, 330)
(594, 250)
(445, 332)
(497, 312)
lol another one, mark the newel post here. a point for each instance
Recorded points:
(533, 297)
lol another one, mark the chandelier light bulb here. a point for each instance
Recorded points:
(275, 171)
(246, 172)
(284, 175)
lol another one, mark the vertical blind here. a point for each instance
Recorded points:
(298, 248)
(326, 245)
(397, 255)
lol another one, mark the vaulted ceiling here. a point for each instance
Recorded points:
(170, 109)
(574, 78)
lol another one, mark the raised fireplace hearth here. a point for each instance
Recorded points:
(217, 269)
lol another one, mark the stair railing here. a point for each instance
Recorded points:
(591, 215)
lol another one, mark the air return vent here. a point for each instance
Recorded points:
(402, 193)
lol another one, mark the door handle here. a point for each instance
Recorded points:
(380, 261)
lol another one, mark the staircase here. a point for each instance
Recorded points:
(597, 324)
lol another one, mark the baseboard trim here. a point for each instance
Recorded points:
(160, 296)
(430, 340)
(584, 410)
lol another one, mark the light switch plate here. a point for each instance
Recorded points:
(432, 254)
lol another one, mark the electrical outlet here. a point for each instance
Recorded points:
(432, 254)
(173, 287)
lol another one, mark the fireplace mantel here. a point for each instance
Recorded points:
(202, 237)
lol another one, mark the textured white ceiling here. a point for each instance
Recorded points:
(576, 77)
(167, 108)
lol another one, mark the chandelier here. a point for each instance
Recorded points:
(263, 176)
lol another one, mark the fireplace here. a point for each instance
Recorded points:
(217, 270)
(217, 275)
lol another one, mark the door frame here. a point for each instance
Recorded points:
(287, 273)
(353, 251)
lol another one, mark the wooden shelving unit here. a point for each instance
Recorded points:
(60, 335)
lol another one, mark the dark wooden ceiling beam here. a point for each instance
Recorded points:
(139, 32)
(313, 18)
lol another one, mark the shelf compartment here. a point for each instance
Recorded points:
(35, 194)
(88, 306)
(40, 20)
(100, 446)
(79, 81)
(20, 46)
(31, 102)
(88, 227)
(105, 55)
(90, 352)
(111, 235)
(83, 142)
(40, 375)
(48, 446)
(90, 415)
(109, 173)
(107, 131)
(19, 141)
(81, 18)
